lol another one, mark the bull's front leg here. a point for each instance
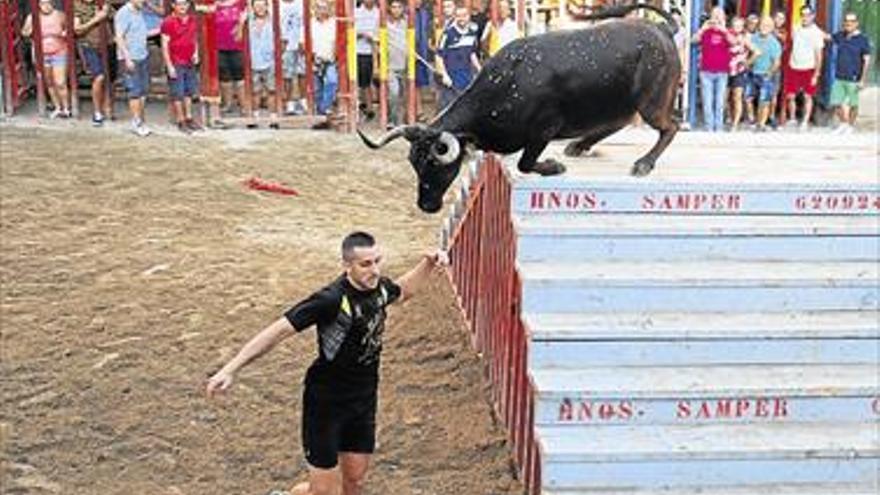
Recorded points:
(528, 162)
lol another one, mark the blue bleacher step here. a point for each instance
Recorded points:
(568, 340)
(703, 456)
(698, 286)
(692, 395)
(642, 237)
(773, 489)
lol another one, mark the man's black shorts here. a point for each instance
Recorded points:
(332, 424)
(365, 70)
(230, 65)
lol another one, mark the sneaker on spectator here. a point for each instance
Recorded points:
(182, 127)
(843, 128)
(303, 106)
(193, 125)
(139, 129)
(97, 119)
(290, 108)
(804, 127)
(56, 114)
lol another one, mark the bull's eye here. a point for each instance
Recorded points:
(446, 148)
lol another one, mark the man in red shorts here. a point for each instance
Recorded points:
(804, 66)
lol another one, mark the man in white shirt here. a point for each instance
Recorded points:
(804, 66)
(366, 25)
(324, 51)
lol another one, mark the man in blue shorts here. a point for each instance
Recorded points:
(89, 21)
(131, 49)
(340, 393)
(766, 60)
(179, 33)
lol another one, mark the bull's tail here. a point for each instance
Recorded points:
(622, 10)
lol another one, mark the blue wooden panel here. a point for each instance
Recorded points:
(576, 354)
(562, 195)
(582, 412)
(579, 296)
(706, 473)
(643, 248)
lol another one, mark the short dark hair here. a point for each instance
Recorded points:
(354, 240)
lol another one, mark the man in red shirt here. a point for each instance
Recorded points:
(180, 52)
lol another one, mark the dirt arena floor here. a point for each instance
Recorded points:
(132, 268)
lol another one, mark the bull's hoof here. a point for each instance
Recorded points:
(549, 167)
(573, 150)
(642, 168)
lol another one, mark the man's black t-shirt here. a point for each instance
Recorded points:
(350, 323)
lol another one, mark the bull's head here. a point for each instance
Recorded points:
(435, 155)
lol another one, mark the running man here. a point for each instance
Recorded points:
(340, 392)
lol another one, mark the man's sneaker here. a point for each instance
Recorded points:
(182, 127)
(193, 125)
(57, 114)
(303, 106)
(804, 127)
(843, 129)
(139, 129)
(97, 120)
(290, 108)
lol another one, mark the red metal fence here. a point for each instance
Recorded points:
(482, 250)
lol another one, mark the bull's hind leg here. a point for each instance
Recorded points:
(657, 110)
(529, 163)
(583, 145)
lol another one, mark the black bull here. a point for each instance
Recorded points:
(585, 84)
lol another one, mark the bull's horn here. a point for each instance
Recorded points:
(391, 135)
(446, 149)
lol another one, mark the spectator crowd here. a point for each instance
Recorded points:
(752, 64)
(750, 71)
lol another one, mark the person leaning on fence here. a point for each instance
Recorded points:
(765, 64)
(262, 47)
(180, 53)
(341, 385)
(458, 61)
(715, 47)
(397, 61)
(804, 67)
(326, 78)
(229, 19)
(292, 59)
(131, 49)
(53, 29)
(850, 71)
(424, 31)
(366, 24)
(88, 23)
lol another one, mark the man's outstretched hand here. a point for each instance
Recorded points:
(218, 384)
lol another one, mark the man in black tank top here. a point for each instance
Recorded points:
(340, 393)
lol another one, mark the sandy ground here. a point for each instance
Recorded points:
(132, 268)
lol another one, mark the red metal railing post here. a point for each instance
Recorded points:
(247, 105)
(104, 52)
(521, 17)
(7, 46)
(70, 40)
(210, 70)
(383, 63)
(37, 44)
(277, 58)
(309, 56)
